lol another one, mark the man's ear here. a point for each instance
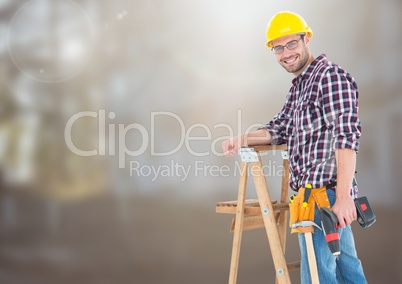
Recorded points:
(307, 39)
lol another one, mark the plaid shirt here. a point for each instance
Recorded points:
(320, 115)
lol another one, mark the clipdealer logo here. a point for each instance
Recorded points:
(110, 135)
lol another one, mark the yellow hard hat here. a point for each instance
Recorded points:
(286, 23)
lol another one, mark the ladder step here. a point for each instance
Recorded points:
(250, 202)
(249, 223)
(252, 222)
(251, 207)
(293, 265)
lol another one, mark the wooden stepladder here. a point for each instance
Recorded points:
(264, 212)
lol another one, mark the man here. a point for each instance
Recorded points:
(319, 123)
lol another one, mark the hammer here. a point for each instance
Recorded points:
(312, 262)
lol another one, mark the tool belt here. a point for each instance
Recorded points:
(302, 206)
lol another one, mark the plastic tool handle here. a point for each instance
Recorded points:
(330, 226)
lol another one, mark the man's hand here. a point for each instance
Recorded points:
(232, 145)
(344, 208)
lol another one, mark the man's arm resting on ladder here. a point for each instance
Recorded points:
(259, 137)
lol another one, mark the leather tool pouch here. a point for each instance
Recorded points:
(298, 212)
(365, 214)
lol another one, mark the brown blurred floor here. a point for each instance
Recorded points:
(151, 241)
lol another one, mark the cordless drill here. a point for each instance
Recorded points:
(330, 227)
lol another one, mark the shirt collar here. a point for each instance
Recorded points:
(310, 69)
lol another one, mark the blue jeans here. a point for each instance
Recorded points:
(347, 269)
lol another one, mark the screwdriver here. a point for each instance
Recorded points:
(292, 198)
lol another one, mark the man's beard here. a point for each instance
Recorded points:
(303, 58)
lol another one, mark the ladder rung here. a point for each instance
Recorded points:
(249, 202)
(293, 265)
(249, 223)
(279, 206)
(251, 207)
(252, 222)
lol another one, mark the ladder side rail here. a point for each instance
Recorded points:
(238, 230)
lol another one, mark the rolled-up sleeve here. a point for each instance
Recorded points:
(340, 107)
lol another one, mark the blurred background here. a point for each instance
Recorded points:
(112, 115)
